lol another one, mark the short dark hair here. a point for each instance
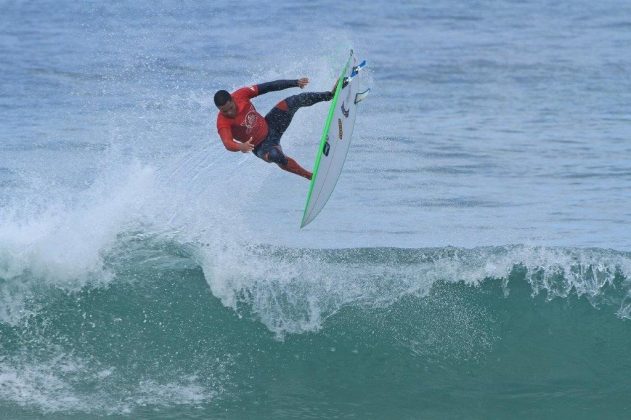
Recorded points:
(221, 97)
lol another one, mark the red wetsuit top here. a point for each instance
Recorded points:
(247, 123)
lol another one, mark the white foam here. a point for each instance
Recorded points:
(294, 291)
(53, 386)
(63, 246)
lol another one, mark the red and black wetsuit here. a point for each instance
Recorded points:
(247, 123)
(265, 132)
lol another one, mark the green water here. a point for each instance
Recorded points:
(156, 343)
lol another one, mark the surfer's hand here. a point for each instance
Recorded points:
(302, 82)
(247, 146)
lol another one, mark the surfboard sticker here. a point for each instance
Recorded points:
(332, 153)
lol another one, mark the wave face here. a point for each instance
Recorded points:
(375, 332)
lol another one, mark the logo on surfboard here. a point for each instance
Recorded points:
(340, 128)
(345, 111)
(326, 148)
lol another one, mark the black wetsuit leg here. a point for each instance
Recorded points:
(279, 118)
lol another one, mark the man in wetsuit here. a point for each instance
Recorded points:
(242, 128)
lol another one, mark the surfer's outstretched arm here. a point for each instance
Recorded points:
(276, 85)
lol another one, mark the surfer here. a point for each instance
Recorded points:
(242, 128)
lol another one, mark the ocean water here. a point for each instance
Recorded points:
(473, 262)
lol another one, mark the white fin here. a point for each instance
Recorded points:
(361, 96)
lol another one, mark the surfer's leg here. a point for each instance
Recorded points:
(274, 154)
(271, 152)
(280, 116)
(293, 167)
(304, 99)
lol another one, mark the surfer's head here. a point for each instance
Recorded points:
(226, 105)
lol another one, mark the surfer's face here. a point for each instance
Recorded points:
(229, 109)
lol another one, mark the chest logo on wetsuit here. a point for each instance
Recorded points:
(340, 128)
(345, 111)
(250, 120)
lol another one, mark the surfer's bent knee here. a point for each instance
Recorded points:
(275, 155)
(282, 105)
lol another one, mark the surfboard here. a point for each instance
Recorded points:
(336, 139)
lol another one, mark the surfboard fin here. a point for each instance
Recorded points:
(354, 72)
(361, 96)
(357, 68)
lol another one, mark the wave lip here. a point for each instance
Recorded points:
(296, 290)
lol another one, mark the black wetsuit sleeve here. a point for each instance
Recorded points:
(276, 85)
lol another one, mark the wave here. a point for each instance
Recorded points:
(294, 290)
(182, 324)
